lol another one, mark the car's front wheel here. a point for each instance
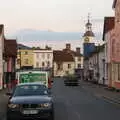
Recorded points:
(52, 116)
(8, 118)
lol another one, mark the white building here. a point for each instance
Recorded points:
(43, 58)
(1, 54)
(78, 59)
(101, 62)
(95, 65)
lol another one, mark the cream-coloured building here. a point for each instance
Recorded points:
(78, 59)
(24, 57)
(43, 58)
(63, 63)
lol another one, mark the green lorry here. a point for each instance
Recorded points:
(33, 76)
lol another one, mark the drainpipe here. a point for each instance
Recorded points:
(20, 59)
(98, 75)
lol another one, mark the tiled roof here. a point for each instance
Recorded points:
(10, 47)
(72, 52)
(77, 55)
(109, 23)
(114, 3)
(61, 56)
(1, 28)
(89, 33)
(23, 47)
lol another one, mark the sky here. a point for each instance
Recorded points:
(53, 15)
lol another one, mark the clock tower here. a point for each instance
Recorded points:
(88, 35)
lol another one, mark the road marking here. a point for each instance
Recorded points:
(110, 101)
(78, 115)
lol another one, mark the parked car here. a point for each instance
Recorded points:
(30, 100)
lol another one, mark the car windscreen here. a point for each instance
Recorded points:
(30, 90)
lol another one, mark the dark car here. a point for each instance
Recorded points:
(30, 101)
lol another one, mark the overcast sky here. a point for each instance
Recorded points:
(55, 15)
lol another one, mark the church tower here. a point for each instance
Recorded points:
(88, 35)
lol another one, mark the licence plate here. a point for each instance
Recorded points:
(27, 112)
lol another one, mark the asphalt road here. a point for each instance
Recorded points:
(75, 103)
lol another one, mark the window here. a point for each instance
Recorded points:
(37, 55)
(43, 55)
(113, 48)
(48, 64)
(48, 56)
(79, 58)
(26, 53)
(37, 64)
(18, 61)
(69, 66)
(26, 61)
(43, 64)
(59, 66)
(79, 65)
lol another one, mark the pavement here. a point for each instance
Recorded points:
(101, 91)
(3, 102)
(76, 103)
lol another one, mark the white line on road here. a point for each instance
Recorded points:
(78, 115)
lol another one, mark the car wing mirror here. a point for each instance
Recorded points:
(8, 93)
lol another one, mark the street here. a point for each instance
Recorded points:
(76, 103)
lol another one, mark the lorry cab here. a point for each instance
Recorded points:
(28, 76)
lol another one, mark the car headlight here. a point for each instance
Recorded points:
(46, 105)
(13, 106)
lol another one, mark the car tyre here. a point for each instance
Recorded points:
(52, 116)
(8, 118)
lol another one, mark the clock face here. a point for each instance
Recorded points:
(87, 39)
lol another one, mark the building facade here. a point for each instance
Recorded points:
(109, 23)
(112, 38)
(1, 54)
(78, 59)
(10, 55)
(43, 58)
(63, 63)
(25, 57)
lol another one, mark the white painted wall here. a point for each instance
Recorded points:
(101, 66)
(78, 62)
(1, 59)
(38, 57)
(62, 72)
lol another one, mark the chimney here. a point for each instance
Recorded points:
(68, 46)
(78, 50)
